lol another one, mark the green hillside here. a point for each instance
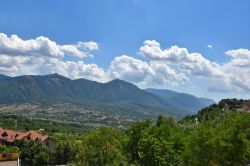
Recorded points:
(217, 112)
(114, 97)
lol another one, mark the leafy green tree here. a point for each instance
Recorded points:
(102, 147)
(64, 152)
(42, 158)
(155, 144)
(135, 133)
(232, 144)
(199, 147)
(155, 151)
(224, 143)
(34, 153)
(160, 120)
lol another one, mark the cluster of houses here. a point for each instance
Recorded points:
(10, 137)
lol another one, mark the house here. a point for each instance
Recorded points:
(10, 159)
(10, 137)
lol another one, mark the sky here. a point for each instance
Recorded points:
(191, 46)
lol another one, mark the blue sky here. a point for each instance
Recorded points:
(120, 27)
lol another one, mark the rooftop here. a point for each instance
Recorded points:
(12, 136)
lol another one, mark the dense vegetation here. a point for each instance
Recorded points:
(220, 136)
(24, 124)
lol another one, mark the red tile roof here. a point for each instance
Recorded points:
(44, 138)
(21, 136)
(11, 136)
(1, 130)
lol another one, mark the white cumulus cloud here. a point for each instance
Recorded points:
(44, 56)
(230, 76)
(188, 63)
(42, 46)
(138, 71)
(129, 68)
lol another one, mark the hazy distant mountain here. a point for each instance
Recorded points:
(116, 96)
(3, 76)
(181, 101)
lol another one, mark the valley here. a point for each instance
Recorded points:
(66, 113)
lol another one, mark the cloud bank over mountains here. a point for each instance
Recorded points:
(173, 65)
(43, 56)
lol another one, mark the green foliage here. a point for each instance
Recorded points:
(199, 148)
(215, 112)
(65, 152)
(231, 104)
(101, 147)
(154, 144)
(34, 153)
(221, 137)
(7, 149)
(24, 124)
(226, 143)
(232, 140)
(154, 151)
(42, 158)
(135, 133)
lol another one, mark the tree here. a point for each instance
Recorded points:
(42, 158)
(199, 147)
(135, 133)
(155, 144)
(102, 147)
(224, 143)
(64, 152)
(232, 144)
(34, 153)
(154, 151)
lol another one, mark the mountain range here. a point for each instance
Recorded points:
(181, 101)
(116, 96)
